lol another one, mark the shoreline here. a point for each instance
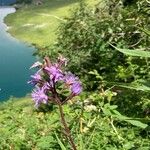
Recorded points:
(4, 15)
(15, 59)
(8, 27)
(36, 28)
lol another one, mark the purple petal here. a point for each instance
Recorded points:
(39, 96)
(55, 73)
(76, 88)
(70, 78)
(35, 79)
(36, 64)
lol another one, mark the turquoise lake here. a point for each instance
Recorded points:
(15, 59)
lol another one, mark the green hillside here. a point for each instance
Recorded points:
(38, 24)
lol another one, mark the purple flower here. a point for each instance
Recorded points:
(36, 64)
(55, 73)
(39, 96)
(70, 78)
(73, 82)
(46, 78)
(76, 88)
(35, 79)
(48, 86)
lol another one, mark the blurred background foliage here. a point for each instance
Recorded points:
(86, 38)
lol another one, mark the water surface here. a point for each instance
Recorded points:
(15, 60)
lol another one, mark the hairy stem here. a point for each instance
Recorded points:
(68, 133)
(67, 130)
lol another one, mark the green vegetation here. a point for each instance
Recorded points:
(94, 127)
(108, 47)
(38, 24)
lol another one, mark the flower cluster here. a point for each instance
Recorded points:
(48, 79)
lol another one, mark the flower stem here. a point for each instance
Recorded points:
(62, 116)
(68, 133)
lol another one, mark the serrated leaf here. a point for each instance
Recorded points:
(137, 123)
(139, 86)
(135, 52)
(136, 87)
(129, 120)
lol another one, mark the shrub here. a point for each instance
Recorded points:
(85, 39)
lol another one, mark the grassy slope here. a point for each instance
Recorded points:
(20, 124)
(21, 127)
(37, 24)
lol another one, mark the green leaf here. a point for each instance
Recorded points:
(129, 120)
(106, 112)
(137, 52)
(137, 123)
(118, 115)
(113, 107)
(81, 145)
(145, 31)
(136, 85)
(60, 143)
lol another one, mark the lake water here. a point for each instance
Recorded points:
(15, 60)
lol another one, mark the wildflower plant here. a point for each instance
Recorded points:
(54, 85)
